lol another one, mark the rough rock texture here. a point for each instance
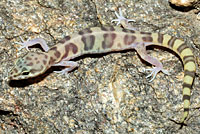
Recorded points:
(82, 102)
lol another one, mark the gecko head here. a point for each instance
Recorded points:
(28, 66)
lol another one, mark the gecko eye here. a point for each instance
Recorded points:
(25, 73)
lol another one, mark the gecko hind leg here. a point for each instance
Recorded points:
(141, 50)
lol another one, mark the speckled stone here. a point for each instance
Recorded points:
(82, 102)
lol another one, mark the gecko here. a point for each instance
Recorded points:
(105, 39)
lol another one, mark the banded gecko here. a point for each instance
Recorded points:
(102, 40)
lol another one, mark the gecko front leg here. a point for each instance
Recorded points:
(29, 43)
(70, 65)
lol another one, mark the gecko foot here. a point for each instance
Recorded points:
(154, 72)
(23, 44)
(63, 72)
(121, 18)
(28, 43)
(70, 65)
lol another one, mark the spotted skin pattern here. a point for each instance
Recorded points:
(102, 40)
